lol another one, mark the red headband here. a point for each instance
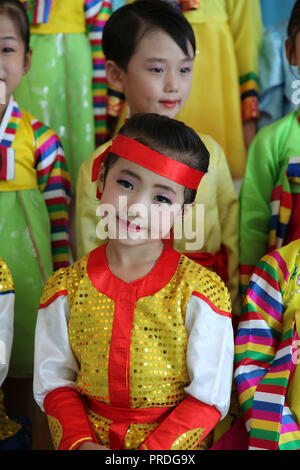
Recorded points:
(159, 163)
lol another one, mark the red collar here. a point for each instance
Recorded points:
(109, 284)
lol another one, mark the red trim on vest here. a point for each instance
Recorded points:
(188, 415)
(68, 407)
(54, 297)
(212, 306)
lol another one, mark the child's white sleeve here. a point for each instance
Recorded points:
(6, 331)
(210, 353)
(55, 365)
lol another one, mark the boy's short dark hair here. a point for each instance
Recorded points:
(169, 137)
(128, 24)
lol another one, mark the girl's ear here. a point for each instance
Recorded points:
(27, 62)
(114, 75)
(291, 56)
(100, 180)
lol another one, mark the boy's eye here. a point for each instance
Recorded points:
(126, 184)
(185, 70)
(162, 199)
(156, 69)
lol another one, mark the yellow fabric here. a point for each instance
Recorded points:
(228, 35)
(291, 299)
(216, 192)
(23, 145)
(8, 428)
(161, 379)
(6, 280)
(66, 16)
(55, 430)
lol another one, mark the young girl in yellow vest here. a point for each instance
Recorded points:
(134, 341)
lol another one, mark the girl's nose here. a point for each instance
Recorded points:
(171, 83)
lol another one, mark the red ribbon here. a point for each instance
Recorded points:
(159, 163)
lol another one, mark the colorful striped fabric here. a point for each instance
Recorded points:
(38, 11)
(54, 183)
(97, 13)
(12, 125)
(249, 95)
(264, 349)
(281, 205)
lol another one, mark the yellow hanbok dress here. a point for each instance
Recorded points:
(225, 78)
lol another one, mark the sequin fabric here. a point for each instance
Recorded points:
(8, 427)
(158, 373)
(56, 430)
(6, 281)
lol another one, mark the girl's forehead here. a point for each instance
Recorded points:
(8, 27)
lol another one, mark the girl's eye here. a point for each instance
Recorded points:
(7, 49)
(156, 69)
(162, 200)
(125, 184)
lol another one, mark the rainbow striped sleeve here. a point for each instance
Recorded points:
(38, 11)
(263, 354)
(54, 183)
(97, 13)
(249, 89)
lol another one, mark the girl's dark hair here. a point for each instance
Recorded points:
(128, 24)
(17, 13)
(294, 27)
(169, 137)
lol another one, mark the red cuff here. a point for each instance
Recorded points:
(250, 109)
(190, 414)
(72, 425)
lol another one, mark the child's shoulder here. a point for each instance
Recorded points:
(6, 280)
(41, 132)
(63, 279)
(205, 284)
(86, 167)
(277, 129)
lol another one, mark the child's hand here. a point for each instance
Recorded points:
(91, 446)
(249, 131)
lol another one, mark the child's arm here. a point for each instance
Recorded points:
(246, 26)
(210, 365)
(271, 77)
(97, 12)
(55, 372)
(263, 356)
(7, 299)
(255, 210)
(54, 183)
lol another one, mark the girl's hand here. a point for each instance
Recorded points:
(91, 446)
(249, 131)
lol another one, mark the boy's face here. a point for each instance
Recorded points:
(159, 76)
(141, 205)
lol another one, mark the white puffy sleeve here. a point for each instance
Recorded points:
(55, 365)
(210, 353)
(7, 299)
